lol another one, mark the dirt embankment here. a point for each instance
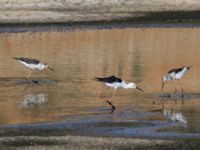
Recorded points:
(48, 11)
(92, 143)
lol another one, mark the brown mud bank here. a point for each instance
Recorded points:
(65, 11)
(89, 143)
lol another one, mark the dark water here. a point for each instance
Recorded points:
(141, 55)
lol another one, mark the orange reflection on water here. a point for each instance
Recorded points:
(142, 55)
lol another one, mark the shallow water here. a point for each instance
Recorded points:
(70, 93)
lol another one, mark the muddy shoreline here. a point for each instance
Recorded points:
(95, 134)
(50, 139)
(68, 11)
(85, 142)
(64, 27)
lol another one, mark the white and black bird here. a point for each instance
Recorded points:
(116, 82)
(174, 74)
(32, 64)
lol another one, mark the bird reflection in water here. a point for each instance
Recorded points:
(175, 116)
(34, 100)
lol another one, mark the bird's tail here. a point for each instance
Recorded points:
(16, 58)
(97, 79)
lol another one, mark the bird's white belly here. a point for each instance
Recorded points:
(31, 66)
(114, 85)
(180, 75)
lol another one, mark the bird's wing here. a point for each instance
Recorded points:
(176, 70)
(27, 60)
(109, 79)
(172, 74)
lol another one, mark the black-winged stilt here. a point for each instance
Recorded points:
(116, 82)
(32, 64)
(174, 74)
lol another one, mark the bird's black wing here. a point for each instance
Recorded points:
(27, 60)
(110, 79)
(175, 70)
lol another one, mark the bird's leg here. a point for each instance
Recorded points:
(108, 94)
(182, 95)
(26, 74)
(175, 91)
(29, 74)
(163, 105)
(182, 91)
(26, 88)
(113, 94)
(175, 105)
(175, 101)
(169, 96)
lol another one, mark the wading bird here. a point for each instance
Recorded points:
(174, 74)
(32, 64)
(116, 82)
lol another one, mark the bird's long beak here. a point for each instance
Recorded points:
(50, 68)
(139, 89)
(163, 83)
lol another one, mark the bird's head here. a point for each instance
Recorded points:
(47, 66)
(134, 86)
(131, 85)
(188, 67)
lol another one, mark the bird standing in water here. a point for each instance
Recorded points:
(32, 64)
(115, 83)
(175, 74)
